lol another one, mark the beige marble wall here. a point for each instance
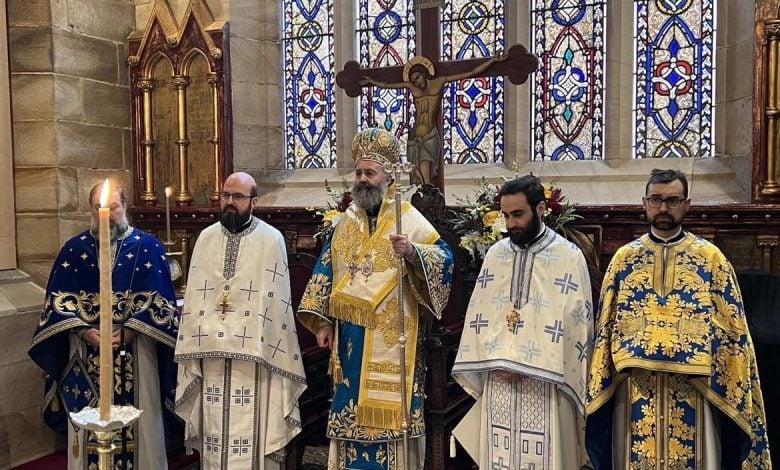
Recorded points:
(7, 225)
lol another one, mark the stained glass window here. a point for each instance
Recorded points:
(309, 104)
(567, 103)
(473, 109)
(674, 81)
(385, 35)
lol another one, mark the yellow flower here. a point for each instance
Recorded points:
(547, 191)
(331, 217)
(489, 218)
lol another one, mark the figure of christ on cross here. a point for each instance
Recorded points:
(426, 80)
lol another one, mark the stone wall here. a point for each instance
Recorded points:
(71, 117)
(71, 128)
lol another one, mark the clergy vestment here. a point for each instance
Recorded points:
(355, 283)
(531, 315)
(143, 301)
(674, 382)
(240, 366)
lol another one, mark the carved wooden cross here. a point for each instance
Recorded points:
(517, 65)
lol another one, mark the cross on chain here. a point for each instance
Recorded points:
(225, 305)
(243, 337)
(249, 291)
(517, 66)
(204, 290)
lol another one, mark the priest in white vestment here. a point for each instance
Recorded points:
(240, 365)
(526, 342)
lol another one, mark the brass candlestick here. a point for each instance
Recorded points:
(119, 417)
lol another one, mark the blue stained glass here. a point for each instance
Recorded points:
(386, 38)
(568, 36)
(309, 63)
(674, 78)
(473, 109)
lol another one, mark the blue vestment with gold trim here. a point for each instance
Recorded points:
(672, 336)
(355, 283)
(143, 300)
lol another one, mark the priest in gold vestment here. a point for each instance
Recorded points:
(352, 304)
(673, 379)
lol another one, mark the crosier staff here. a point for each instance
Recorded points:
(398, 169)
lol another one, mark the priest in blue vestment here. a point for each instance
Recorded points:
(66, 341)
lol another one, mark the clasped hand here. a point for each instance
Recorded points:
(92, 336)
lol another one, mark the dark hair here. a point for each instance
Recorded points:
(667, 176)
(253, 191)
(98, 187)
(420, 68)
(529, 185)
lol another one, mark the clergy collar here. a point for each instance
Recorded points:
(663, 241)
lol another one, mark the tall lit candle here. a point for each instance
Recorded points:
(168, 194)
(106, 309)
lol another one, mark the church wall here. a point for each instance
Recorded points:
(734, 87)
(7, 226)
(70, 99)
(71, 113)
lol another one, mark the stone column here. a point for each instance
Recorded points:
(7, 223)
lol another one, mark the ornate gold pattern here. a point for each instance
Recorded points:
(384, 367)
(387, 323)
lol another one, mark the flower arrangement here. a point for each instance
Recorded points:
(480, 223)
(333, 211)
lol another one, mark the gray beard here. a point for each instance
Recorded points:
(368, 198)
(115, 230)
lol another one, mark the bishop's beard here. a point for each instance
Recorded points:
(368, 196)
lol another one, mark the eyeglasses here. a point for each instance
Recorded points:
(237, 197)
(672, 203)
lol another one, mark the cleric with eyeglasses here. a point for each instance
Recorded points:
(672, 349)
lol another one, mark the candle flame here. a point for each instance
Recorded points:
(104, 193)
(169, 191)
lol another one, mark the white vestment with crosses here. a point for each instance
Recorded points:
(240, 366)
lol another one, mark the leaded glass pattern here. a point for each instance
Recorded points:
(674, 78)
(473, 109)
(386, 38)
(309, 83)
(567, 104)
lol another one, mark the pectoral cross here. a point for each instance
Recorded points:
(225, 305)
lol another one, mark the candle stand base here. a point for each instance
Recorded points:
(120, 417)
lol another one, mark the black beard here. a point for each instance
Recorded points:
(522, 237)
(367, 196)
(234, 220)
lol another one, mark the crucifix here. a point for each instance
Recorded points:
(225, 305)
(425, 78)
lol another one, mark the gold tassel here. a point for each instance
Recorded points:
(334, 365)
(75, 446)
